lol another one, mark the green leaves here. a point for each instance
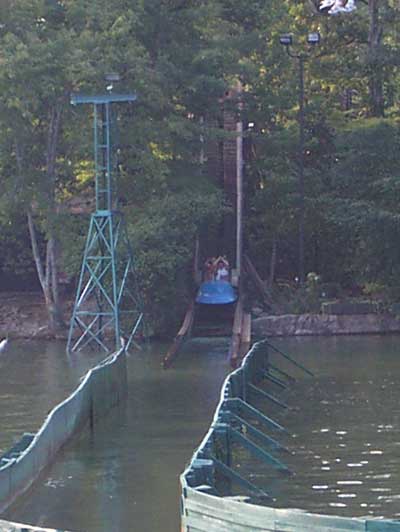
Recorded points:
(164, 235)
(181, 58)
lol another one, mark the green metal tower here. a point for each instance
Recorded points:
(108, 306)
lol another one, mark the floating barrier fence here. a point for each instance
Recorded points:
(101, 388)
(7, 526)
(210, 481)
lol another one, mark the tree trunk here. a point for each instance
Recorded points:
(53, 303)
(47, 277)
(377, 107)
(47, 269)
(272, 263)
(54, 272)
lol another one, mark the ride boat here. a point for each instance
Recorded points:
(215, 310)
(216, 293)
(215, 304)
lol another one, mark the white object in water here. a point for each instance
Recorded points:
(3, 344)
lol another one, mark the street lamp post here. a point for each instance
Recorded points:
(287, 41)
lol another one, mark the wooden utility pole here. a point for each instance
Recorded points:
(375, 34)
(239, 197)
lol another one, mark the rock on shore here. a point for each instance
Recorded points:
(324, 324)
(24, 315)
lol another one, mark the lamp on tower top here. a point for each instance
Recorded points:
(111, 78)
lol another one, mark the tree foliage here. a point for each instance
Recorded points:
(181, 58)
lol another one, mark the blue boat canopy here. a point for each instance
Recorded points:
(216, 293)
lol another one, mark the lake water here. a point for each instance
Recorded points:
(126, 476)
(345, 433)
(34, 377)
(345, 428)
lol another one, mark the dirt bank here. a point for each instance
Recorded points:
(24, 315)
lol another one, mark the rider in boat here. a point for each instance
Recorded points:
(222, 271)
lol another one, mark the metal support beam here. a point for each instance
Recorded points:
(282, 373)
(257, 451)
(108, 305)
(267, 395)
(232, 475)
(275, 380)
(290, 359)
(237, 404)
(261, 436)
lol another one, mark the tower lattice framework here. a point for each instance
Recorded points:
(108, 306)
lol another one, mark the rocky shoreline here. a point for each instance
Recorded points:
(325, 324)
(23, 315)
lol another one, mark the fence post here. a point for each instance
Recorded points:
(222, 446)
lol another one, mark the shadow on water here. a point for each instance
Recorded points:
(345, 437)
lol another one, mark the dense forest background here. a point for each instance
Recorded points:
(180, 57)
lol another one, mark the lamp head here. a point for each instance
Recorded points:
(313, 38)
(286, 39)
(112, 77)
